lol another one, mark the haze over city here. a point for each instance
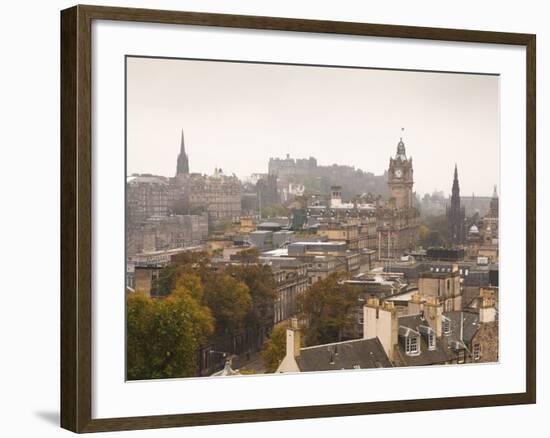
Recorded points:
(236, 116)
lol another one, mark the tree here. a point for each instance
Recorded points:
(275, 349)
(229, 300)
(249, 255)
(263, 291)
(191, 262)
(163, 335)
(432, 232)
(274, 210)
(330, 308)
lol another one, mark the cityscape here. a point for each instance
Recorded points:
(305, 266)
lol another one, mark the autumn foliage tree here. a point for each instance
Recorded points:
(275, 349)
(164, 334)
(198, 303)
(229, 299)
(329, 306)
(263, 291)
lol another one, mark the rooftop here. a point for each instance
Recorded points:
(347, 355)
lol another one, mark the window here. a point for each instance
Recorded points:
(411, 345)
(477, 351)
(446, 322)
(460, 358)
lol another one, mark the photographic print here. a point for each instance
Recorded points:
(287, 218)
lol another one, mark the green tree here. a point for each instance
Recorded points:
(275, 349)
(263, 290)
(229, 300)
(164, 334)
(330, 308)
(274, 210)
(432, 232)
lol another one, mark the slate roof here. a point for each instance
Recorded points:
(469, 327)
(347, 355)
(426, 357)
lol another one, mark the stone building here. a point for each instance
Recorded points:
(289, 167)
(398, 220)
(166, 232)
(444, 286)
(428, 335)
(218, 194)
(146, 196)
(266, 189)
(340, 232)
(347, 355)
(292, 281)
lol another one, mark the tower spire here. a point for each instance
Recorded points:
(401, 147)
(183, 160)
(456, 213)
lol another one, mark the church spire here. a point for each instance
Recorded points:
(183, 159)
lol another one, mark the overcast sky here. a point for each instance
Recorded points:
(235, 116)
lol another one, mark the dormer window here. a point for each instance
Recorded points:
(431, 340)
(411, 345)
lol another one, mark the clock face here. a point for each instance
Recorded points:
(398, 173)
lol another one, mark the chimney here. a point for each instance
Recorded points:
(433, 312)
(293, 338)
(487, 310)
(416, 304)
(380, 321)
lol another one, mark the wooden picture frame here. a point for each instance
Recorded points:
(76, 217)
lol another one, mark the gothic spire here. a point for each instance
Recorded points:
(456, 213)
(456, 187)
(183, 159)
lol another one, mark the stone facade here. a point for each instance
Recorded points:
(398, 220)
(218, 194)
(166, 232)
(445, 287)
(146, 196)
(291, 279)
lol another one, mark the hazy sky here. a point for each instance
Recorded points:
(235, 116)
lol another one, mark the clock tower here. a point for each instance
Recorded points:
(400, 178)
